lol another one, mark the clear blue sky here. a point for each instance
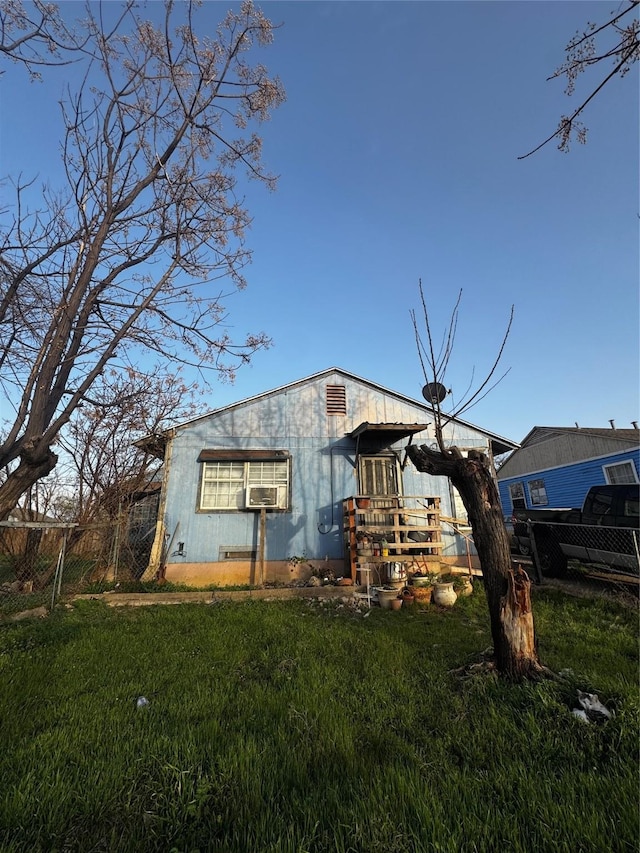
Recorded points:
(396, 151)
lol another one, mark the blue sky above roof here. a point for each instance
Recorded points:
(397, 154)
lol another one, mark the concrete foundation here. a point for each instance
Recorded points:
(241, 573)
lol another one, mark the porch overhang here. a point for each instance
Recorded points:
(378, 436)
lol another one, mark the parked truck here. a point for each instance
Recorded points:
(604, 531)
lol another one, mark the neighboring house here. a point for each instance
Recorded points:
(300, 452)
(556, 466)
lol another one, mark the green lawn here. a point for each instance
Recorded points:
(290, 727)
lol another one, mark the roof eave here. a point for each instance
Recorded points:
(499, 444)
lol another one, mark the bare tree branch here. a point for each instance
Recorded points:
(507, 591)
(120, 262)
(581, 55)
(37, 38)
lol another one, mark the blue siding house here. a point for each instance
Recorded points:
(251, 485)
(556, 466)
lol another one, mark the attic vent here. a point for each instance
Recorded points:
(336, 400)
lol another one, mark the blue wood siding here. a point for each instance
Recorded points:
(567, 485)
(323, 470)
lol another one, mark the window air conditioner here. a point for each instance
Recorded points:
(262, 497)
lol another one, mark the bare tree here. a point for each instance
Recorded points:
(102, 471)
(508, 591)
(35, 36)
(615, 44)
(123, 262)
(105, 465)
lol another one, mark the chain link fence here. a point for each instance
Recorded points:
(42, 563)
(582, 551)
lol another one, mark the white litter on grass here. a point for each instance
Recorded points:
(591, 709)
(141, 702)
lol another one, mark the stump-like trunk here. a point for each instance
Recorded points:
(508, 592)
(518, 651)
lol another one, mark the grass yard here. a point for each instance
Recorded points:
(289, 727)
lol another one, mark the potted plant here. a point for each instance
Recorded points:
(465, 585)
(420, 580)
(386, 595)
(407, 596)
(422, 587)
(462, 584)
(444, 593)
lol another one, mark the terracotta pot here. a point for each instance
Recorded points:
(395, 603)
(422, 594)
(408, 598)
(344, 582)
(444, 595)
(362, 503)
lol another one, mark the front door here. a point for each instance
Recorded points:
(380, 478)
(379, 475)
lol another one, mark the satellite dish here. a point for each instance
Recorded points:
(434, 392)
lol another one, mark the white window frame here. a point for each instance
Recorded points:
(535, 489)
(519, 497)
(248, 472)
(607, 476)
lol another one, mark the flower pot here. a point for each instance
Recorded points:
(386, 596)
(422, 581)
(422, 594)
(444, 595)
(396, 603)
(407, 597)
(362, 503)
(467, 589)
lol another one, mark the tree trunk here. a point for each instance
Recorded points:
(27, 562)
(508, 592)
(35, 462)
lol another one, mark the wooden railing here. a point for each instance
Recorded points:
(409, 526)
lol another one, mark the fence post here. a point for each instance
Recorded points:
(57, 578)
(534, 552)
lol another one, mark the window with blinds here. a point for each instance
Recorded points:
(620, 472)
(225, 484)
